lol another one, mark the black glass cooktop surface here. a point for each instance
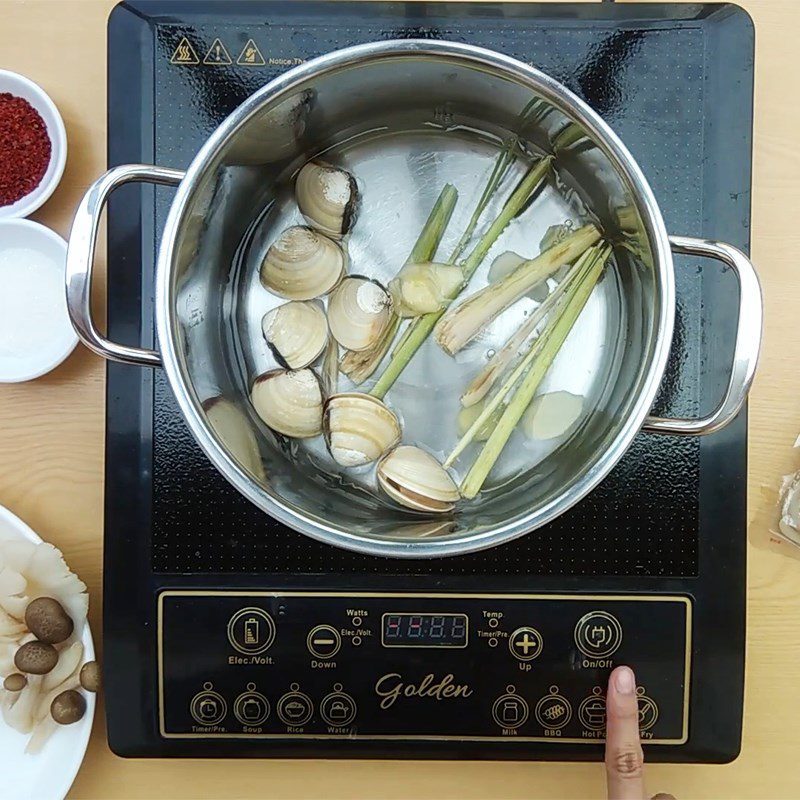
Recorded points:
(675, 82)
(644, 519)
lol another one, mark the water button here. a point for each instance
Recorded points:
(323, 641)
(598, 634)
(525, 644)
(338, 708)
(251, 631)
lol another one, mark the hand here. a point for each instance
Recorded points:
(624, 757)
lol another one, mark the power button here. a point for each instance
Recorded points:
(598, 634)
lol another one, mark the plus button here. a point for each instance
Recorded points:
(526, 643)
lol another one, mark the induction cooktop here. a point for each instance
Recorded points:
(228, 634)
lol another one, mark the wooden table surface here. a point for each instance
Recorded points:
(51, 464)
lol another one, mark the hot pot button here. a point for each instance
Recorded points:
(598, 634)
(525, 644)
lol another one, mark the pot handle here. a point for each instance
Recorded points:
(80, 259)
(748, 339)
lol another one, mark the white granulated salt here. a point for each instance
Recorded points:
(33, 305)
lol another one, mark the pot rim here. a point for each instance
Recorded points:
(622, 161)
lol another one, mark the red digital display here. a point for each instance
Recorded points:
(425, 630)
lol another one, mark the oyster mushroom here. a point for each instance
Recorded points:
(359, 309)
(302, 264)
(415, 479)
(289, 402)
(296, 332)
(359, 428)
(327, 197)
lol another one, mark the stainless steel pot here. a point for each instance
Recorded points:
(408, 116)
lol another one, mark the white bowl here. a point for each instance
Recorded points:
(44, 355)
(39, 99)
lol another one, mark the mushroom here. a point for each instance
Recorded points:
(68, 707)
(327, 197)
(47, 620)
(302, 264)
(15, 682)
(417, 480)
(296, 332)
(90, 676)
(36, 658)
(359, 310)
(359, 428)
(289, 402)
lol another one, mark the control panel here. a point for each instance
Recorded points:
(416, 666)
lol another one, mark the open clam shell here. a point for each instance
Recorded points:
(415, 479)
(359, 428)
(289, 402)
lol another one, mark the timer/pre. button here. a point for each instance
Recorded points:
(525, 643)
(323, 641)
(598, 634)
(251, 631)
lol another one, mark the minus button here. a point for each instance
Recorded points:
(323, 641)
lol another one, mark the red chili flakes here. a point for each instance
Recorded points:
(25, 148)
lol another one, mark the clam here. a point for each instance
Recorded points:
(302, 264)
(296, 332)
(359, 428)
(289, 402)
(327, 197)
(359, 309)
(417, 480)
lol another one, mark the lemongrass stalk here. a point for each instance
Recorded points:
(403, 339)
(420, 329)
(500, 396)
(501, 167)
(462, 323)
(433, 230)
(358, 365)
(563, 324)
(480, 385)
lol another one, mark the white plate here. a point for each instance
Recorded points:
(20, 86)
(61, 339)
(49, 774)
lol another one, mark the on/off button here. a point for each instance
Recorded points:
(598, 634)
